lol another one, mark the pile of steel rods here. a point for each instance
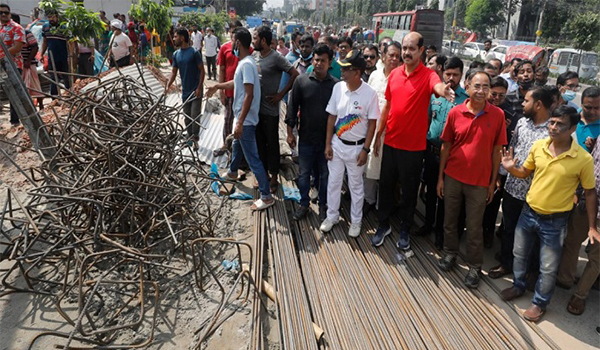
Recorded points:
(296, 328)
(109, 213)
(376, 298)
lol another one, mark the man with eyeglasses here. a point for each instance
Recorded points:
(344, 46)
(534, 126)
(568, 85)
(371, 55)
(353, 112)
(438, 113)
(383, 42)
(588, 130)
(472, 139)
(405, 123)
(14, 39)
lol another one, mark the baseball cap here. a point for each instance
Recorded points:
(354, 59)
(116, 23)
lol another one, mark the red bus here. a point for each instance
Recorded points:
(429, 23)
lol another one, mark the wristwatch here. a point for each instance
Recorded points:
(367, 150)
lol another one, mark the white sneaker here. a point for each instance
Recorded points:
(354, 230)
(328, 224)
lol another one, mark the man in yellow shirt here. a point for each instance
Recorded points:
(560, 164)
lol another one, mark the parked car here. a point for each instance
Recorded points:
(473, 50)
(563, 60)
(446, 51)
(498, 52)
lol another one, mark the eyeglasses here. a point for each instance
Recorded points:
(369, 57)
(498, 95)
(4, 12)
(574, 87)
(478, 87)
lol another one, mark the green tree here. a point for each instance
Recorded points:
(339, 8)
(157, 16)
(392, 4)
(482, 15)
(76, 20)
(435, 4)
(216, 21)
(584, 28)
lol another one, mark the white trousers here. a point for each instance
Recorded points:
(344, 158)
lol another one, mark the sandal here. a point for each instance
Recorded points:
(576, 306)
(262, 205)
(228, 177)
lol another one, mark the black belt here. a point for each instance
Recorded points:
(353, 143)
(549, 216)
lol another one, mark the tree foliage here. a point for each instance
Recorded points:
(75, 20)
(216, 21)
(584, 28)
(483, 15)
(460, 16)
(434, 5)
(157, 16)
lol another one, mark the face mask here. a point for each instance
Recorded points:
(525, 85)
(236, 52)
(568, 95)
(308, 58)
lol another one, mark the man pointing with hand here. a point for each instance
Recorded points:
(404, 120)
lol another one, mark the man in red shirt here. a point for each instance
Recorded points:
(227, 62)
(14, 38)
(404, 120)
(470, 157)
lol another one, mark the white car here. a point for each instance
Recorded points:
(498, 52)
(446, 51)
(473, 50)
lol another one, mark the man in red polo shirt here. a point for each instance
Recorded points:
(227, 61)
(470, 157)
(404, 120)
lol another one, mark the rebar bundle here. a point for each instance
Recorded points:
(108, 214)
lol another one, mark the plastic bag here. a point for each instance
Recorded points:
(32, 81)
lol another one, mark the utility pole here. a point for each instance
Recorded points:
(538, 32)
(508, 18)
(453, 26)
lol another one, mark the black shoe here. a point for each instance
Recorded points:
(447, 262)
(322, 212)
(380, 235)
(424, 230)
(498, 271)
(488, 239)
(300, 213)
(472, 278)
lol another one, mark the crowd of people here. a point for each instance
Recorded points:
(394, 120)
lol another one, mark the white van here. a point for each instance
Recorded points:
(563, 60)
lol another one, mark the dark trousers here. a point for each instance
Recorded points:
(267, 140)
(229, 117)
(405, 166)
(60, 67)
(511, 210)
(121, 62)
(434, 206)
(492, 209)
(211, 64)
(312, 161)
(84, 65)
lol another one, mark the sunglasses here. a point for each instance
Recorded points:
(369, 57)
(4, 12)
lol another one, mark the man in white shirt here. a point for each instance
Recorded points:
(120, 47)
(196, 37)
(353, 112)
(211, 48)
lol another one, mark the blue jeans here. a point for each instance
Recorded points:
(551, 230)
(312, 161)
(246, 145)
